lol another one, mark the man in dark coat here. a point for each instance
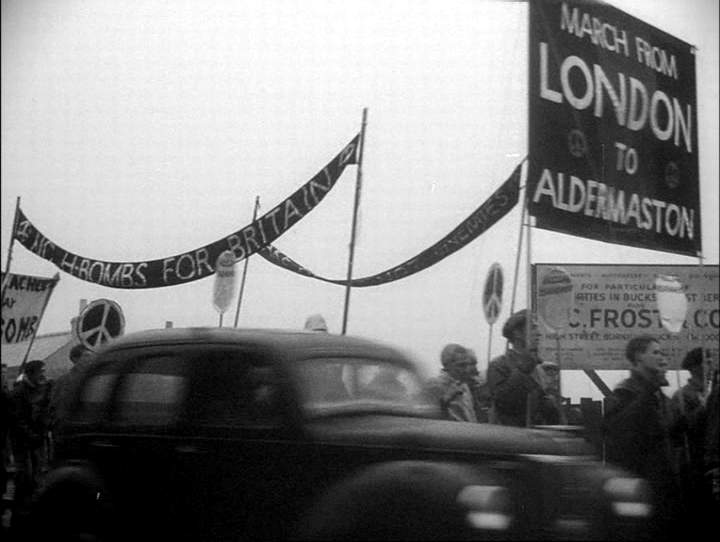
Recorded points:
(639, 427)
(513, 379)
(30, 403)
(689, 405)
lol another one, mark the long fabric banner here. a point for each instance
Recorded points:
(198, 263)
(22, 307)
(492, 210)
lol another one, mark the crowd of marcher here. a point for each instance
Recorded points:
(32, 408)
(670, 442)
(518, 389)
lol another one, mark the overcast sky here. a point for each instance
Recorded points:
(136, 130)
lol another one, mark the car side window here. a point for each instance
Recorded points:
(152, 392)
(93, 397)
(238, 388)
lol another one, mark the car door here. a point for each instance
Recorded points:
(143, 434)
(239, 422)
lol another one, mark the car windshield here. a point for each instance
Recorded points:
(337, 385)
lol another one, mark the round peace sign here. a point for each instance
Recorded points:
(492, 293)
(672, 175)
(101, 321)
(576, 143)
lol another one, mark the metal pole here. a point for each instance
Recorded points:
(529, 320)
(6, 278)
(489, 343)
(519, 250)
(245, 267)
(356, 205)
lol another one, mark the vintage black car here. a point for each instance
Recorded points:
(226, 434)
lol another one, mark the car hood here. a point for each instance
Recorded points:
(448, 436)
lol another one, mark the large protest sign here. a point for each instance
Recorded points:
(24, 300)
(490, 211)
(198, 263)
(612, 133)
(614, 303)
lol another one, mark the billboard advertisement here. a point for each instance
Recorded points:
(613, 303)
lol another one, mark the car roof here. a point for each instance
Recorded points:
(294, 344)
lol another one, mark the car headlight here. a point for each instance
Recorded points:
(488, 507)
(630, 497)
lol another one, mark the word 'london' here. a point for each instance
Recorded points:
(634, 107)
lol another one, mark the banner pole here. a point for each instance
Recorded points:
(706, 362)
(519, 251)
(6, 278)
(489, 343)
(530, 319)
(245, 267)
(56, 279)
(356, 205)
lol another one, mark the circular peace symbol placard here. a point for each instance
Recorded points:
(492, 293)
(98, 323)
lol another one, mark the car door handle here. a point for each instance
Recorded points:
(104, 444)
(189, 449)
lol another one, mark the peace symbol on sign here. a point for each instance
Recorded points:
(492, 294)
(577, 144)
(672, 175)
(101, 321)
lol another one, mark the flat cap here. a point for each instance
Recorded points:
(515, 321)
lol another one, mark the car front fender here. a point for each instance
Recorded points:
(398, 500)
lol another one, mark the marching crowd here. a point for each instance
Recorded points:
(670, 442)
(31, 409)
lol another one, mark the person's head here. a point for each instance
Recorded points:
(693, 362)
(647, 359)
(315, 322)
(34, 371)
(457, 362)
(514, 331)
(552, 376)
(78, 353)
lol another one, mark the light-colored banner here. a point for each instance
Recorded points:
(614, 303)
(22, 306)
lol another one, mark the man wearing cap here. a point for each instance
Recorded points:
(450, 388)
(688, 404)
(513, 379)
(639, 426)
